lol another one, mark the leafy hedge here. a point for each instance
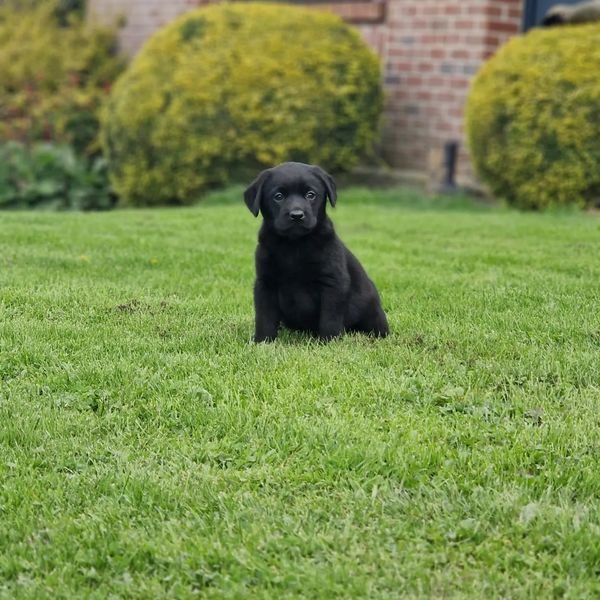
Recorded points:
(50, 176)
(55, 73)
(228, 89)
(533, 118)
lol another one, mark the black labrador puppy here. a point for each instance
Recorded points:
(305, 277)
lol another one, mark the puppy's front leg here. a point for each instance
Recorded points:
(267, 313)
(331, 319)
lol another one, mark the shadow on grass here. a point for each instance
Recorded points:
(291, 338)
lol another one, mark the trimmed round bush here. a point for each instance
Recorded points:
(533, 119)
(228, 89)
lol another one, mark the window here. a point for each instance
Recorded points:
(536, 9)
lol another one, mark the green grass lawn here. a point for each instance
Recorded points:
(148, 449)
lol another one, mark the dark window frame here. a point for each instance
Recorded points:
(534, 10)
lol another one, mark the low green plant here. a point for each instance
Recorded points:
(229, 89)
(52, 176)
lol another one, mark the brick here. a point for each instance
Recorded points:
(486, 9)
(425, 67)
(435, 82)
(356, 12)
(503, 27)
(453, 9)
(445, 97)
(392, 79)
(414, 80)
(403, 66)
(460, 54)
(466, 24)
(469, 69)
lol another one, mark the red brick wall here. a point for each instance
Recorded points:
(430, 50)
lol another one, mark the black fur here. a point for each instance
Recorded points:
(305, 277)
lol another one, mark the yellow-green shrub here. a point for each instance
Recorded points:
(533, 118)
(226, 90)
(55, 72)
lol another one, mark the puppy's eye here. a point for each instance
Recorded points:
(310, 195)
(278, 197)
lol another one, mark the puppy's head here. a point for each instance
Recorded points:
(291, 197)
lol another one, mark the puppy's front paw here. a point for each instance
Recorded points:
(263, 339)
(328, 334)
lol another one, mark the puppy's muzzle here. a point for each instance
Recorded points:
(297, 215)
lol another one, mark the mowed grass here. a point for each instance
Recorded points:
(148, 449)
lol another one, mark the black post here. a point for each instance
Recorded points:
(450, 157)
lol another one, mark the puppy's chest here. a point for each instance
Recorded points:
(297, 267)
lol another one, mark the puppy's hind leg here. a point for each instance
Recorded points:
(374, 322)
(380, 326)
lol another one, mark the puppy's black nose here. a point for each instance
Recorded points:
(296, 215)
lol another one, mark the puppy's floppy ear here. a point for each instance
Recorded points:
(329, 184)
(253, 193)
